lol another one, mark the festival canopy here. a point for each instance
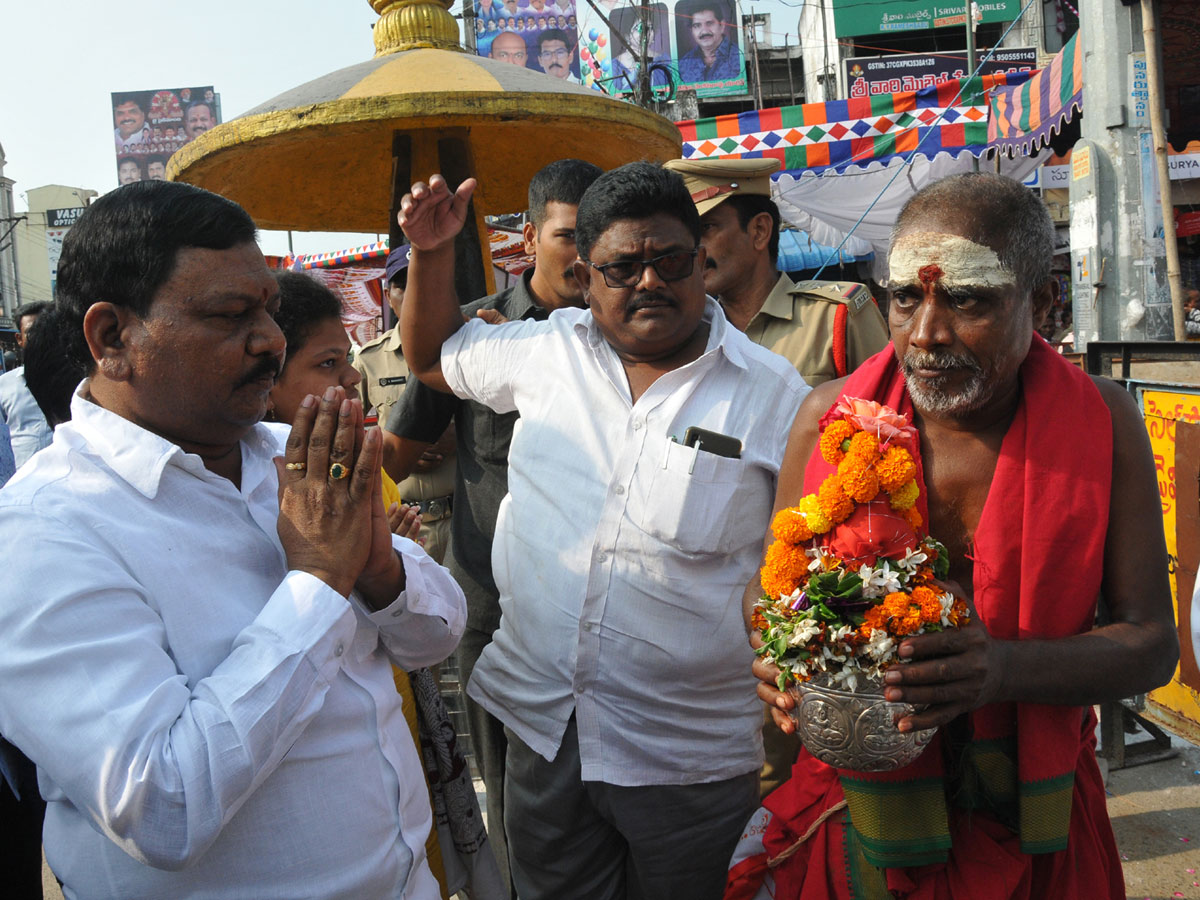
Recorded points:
(1024, 117)
(929, 133)
(950, 117)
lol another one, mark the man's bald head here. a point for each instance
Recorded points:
(992, 210)
(509, 47)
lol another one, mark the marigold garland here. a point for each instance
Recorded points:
(832, 439)
(834, 503)
(810, 507)
(895, 469)
(824, 616)
(791, 526)
(906, 496)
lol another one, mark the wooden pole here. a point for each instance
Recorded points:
(1158, 135)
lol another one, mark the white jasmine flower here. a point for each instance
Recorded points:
(847, 679)
(881, 645)
(879, 582)
(803, 633)
(947, 601)
(912, 559)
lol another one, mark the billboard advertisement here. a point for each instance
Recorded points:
(854, 17)
(693, 44)
(148, 126)
(867, 76)
(537, 34)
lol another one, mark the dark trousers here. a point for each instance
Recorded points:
(20, 829)
(489, 745)
(574, 838)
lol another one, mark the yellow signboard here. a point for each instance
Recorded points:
(1175, 704)
(1081, 163)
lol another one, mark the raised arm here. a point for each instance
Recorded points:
(431, 217)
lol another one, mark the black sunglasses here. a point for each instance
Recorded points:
(628, 272)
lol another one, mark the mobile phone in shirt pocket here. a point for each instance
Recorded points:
(695, 500)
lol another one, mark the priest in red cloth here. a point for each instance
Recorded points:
(1041, 483)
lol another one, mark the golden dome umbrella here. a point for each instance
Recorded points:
(338, 153)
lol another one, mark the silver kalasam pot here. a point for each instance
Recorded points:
(855, 729)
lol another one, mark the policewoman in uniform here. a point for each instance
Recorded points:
(384, 375)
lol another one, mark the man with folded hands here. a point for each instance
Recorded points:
(198, 656)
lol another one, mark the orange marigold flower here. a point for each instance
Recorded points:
(834, 503)
(914, 517)
(927, 599)
(865, 446)
(817, 521)
(758, 621)
(895, 469)
(831, 441)
(911, 623)
(784, 569)
(876, 617)
(790, 526)
(895, 604)
(857, 479)
(904, 497)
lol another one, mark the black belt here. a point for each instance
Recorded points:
(434, 509)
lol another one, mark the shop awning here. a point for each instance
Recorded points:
(859, 132)
(1024, 117)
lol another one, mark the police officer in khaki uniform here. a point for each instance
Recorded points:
(384, 375)
(824, 328)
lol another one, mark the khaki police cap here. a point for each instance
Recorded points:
(712, 181)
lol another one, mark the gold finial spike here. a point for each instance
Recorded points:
(410, 24)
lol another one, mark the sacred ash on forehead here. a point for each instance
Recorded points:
(953, 261)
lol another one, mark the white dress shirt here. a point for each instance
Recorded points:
(621, 554)
(205, 723)
(26, 423)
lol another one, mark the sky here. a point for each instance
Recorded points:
(62, 61)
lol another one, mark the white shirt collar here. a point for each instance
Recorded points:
(139, 456)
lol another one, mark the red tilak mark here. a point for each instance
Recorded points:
(929, 274)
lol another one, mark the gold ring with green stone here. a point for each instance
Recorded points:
(337, 471)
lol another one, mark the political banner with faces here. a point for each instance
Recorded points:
(692, 44)
(148, 126)
(542, 35)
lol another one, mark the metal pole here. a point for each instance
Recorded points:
(754, 50)
(1158, 136)
(971, 60)
(788, 55)
(643, 81)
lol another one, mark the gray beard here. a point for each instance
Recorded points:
(927, 395)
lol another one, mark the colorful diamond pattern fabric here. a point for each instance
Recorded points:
(950, 116)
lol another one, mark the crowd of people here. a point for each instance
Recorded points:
(214, 660)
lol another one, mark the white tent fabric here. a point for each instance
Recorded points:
(827, 206)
